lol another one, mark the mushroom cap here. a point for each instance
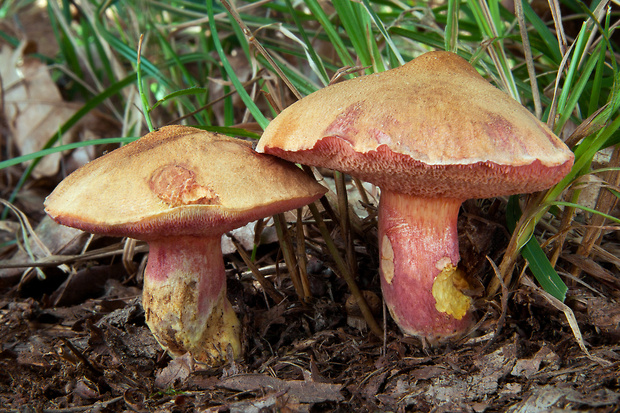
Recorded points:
(433, 127)
(179, 180)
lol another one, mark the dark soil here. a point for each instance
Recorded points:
(79, 343)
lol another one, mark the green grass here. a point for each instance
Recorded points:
(222, 68)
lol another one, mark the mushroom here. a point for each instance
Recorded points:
(431, 134)
(179, 189)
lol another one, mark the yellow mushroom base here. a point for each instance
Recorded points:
(185, 302)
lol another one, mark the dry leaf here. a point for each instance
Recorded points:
(303, 391)
(35, 110)
(33, 106)
(605, 315)
(551, 397)
(530, 366)
(177, 370)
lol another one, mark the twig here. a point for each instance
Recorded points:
(93, 407)
(301, 254)
(345, 223)
(289, 256)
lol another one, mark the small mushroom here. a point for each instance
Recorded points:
(180, 189)
(431, 134)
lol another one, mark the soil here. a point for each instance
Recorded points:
(77, 341)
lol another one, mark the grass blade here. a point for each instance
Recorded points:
(247, 100)
(539, 264)
(44, 152)
(452, 26)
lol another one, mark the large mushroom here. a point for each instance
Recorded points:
(180, 189)
(431, 134)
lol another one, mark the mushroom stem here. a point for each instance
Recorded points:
(419, 253)
(184, 298)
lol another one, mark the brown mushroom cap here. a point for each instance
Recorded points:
(179, 180)
(433, 127)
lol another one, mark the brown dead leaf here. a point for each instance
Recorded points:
(33, 353)
(35, 23)
(35, 110)
(33, 106)
(177, 370)
(605, 315)
(428, 372)
(277, 402)
(499, 363)
(59, 238)
(267, 318)
(446, 389)
(303, 391)
(593, 269)
(557, 397)
(373, 384)
(530, 366)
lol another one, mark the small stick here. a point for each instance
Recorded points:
(301, 255)
(345, 223)
(289, 256)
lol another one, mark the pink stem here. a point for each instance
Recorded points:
(184, 298)
(417, 240)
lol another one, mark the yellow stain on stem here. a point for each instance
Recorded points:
(447, 292)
